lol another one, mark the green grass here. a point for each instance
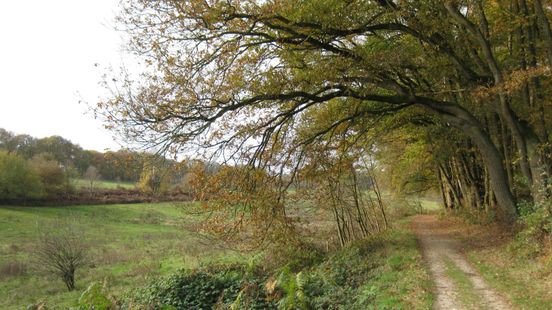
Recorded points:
(385, 271)
(130, 244)
(466, 292)
(83, 183)
(429, 205)
(525, 281)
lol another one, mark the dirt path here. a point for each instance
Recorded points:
(458, 284)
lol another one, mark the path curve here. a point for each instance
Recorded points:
(439, 247)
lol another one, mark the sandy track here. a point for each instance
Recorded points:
(439, 247)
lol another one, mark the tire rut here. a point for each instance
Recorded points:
(438, 247)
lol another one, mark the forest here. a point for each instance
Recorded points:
(333, 154)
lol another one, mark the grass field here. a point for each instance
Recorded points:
(82, 183)
(130, 244)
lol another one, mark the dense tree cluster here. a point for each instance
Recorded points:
(122, 166)
(43, 168)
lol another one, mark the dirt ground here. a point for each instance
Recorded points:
(441, 251)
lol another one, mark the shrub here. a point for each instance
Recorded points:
(404, 207)
(97, 296)
(61, 249)
(53, 177)
(205, 288)
(17, 179)
(154, 181)
(294, 256)
(537, 228)
(293, 286)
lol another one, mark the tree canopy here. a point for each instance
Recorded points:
(262, 82)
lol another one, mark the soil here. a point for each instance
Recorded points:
(101, 196)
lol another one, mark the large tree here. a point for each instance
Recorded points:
(239, 76)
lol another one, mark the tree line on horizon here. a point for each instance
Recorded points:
(43, 168)
(122, 165)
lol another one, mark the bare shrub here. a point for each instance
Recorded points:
(61, 250)
(92, 175)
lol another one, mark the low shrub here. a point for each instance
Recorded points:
(404, 207)
(536, 220)
(97, 296)
(294, 256)
(205, 288)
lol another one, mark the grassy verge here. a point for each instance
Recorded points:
(524, 279)
(130, 245)
(382, 272)
(527, 282)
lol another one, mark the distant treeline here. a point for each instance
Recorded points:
(120, 166)
(34, 169)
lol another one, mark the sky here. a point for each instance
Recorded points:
(48, 56)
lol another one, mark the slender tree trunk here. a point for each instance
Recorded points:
(442, 188)
(451, 188)
(545, 28)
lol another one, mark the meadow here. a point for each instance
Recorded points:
(129, 245)
(134, 245)
(102, 184)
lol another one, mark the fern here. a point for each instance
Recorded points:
(293, 287)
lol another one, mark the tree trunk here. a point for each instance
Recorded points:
(493, 161)
(465, 121)
(507, 115)
(545, 28)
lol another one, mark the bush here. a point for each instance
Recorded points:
(293, 256)
(61, 249)
(97, 296)
(537, 228)
(17, 179)
(53, 177)
(404, 207)
(154, 181)
(206, 288)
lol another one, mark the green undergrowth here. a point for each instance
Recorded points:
(381, 272)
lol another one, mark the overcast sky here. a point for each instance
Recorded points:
(48, 53)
